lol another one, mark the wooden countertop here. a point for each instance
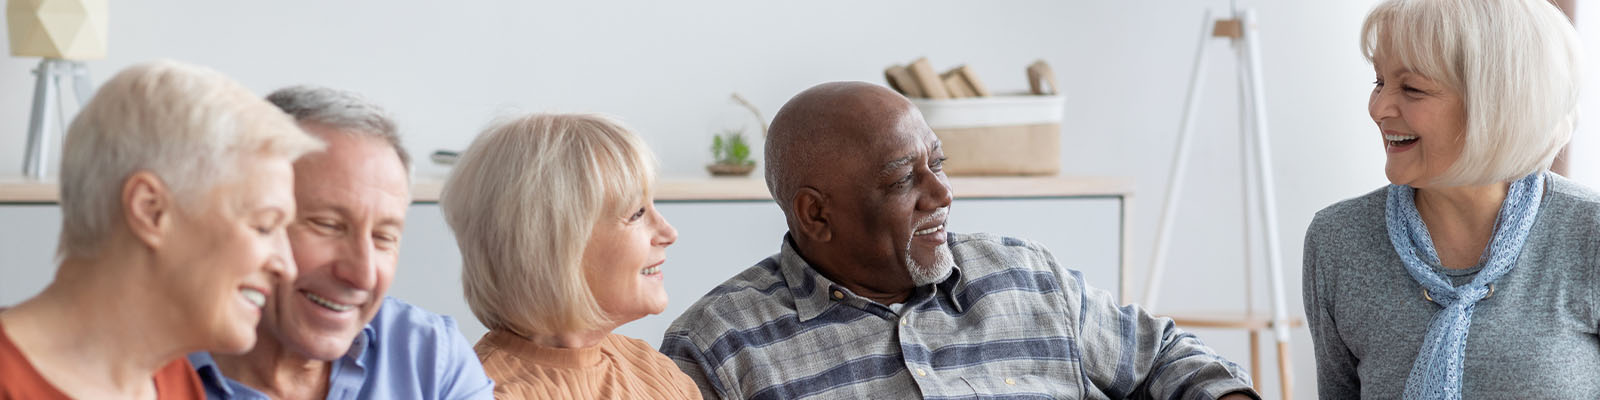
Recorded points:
(16, 190)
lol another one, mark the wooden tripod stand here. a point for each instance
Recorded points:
(1256, 172)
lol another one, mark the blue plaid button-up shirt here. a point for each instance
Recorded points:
(1008, 323)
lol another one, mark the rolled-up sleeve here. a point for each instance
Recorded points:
(1129, 353)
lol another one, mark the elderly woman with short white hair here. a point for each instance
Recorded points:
(561, 244)
(176, 185)
(1473, 274)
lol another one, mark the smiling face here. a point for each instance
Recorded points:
(622, 263)
(235, 252)
(1422, 123)
(895, 211)
(346, 237)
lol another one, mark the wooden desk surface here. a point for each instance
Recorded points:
(16, 190)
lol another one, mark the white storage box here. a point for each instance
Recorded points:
(999, 135)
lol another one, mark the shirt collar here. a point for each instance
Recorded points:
(210, 375)
(349, 373)
(367, 340)
(814, 293)
(346, 373)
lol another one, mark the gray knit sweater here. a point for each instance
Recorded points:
(1535, 338)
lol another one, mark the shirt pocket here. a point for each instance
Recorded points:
(1022, 386)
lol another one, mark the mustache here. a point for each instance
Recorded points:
(941, 213)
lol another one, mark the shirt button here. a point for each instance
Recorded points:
(920, 372)
(1010, 381)
(838, 295)
(903, 320)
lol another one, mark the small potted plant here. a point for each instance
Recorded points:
(730, 154)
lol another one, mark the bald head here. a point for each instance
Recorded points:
(860, 178)
(821, 133)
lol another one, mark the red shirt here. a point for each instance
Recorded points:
(18, 379)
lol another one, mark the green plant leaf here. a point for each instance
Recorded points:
(739, 151)
(717, 149)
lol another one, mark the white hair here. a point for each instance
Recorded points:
(523, 201)
(1516, 64)
(183, 123)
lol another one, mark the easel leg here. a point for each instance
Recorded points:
(1169, 209)
(1255, 359)
(1285, 382)
(1269, 205)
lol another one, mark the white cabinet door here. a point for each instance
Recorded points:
(28, 236)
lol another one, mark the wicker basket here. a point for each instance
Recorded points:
(1000, 135)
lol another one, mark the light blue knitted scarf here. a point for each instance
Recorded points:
(1436, 374)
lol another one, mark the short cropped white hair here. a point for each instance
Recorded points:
(183, 123)
(523, 201)
(1516, 64)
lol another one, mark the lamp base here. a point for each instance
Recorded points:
(46, 88)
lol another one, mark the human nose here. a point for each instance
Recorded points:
(936, 193)
(666, 235)
(1381, 106)
(281, 266)
(356, 266)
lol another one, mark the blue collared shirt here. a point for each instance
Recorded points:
(1007, 323)
(404, 353)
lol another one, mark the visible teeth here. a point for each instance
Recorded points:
(650, 271)
(329, 304)
(255, 297)
(1398, 138)
(928, 231)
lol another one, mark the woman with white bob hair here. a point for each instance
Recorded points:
(1473, 275)
(561, 244)
(176, 185)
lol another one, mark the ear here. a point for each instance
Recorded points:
(147, 207)
(811, 211)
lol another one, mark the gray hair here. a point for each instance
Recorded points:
(183, 123)
(343, 110)
(1516, 64)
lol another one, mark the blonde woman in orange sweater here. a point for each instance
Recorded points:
(561, 244)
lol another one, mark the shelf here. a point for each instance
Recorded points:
(1223, 320)
(16, 190)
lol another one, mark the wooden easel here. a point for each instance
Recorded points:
(1256, 171)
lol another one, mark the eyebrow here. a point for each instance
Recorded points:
(890, 167)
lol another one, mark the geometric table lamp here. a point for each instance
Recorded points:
(62, 32)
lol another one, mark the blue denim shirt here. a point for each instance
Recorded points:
(404, 353)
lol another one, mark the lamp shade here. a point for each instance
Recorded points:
(67, 29)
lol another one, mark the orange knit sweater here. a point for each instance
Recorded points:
(618, 367)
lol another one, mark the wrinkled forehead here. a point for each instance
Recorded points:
(900, 136)
(353, 173)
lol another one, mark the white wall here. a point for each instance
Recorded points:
(445, 68)
(1584, 155)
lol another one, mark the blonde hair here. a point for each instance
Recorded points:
(1516, 64)
(523, 201)
(183, 123)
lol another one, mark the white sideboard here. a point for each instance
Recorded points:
(724, 226)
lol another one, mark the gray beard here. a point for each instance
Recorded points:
(943, 262)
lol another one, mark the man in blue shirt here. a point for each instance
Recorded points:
(331, 333)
